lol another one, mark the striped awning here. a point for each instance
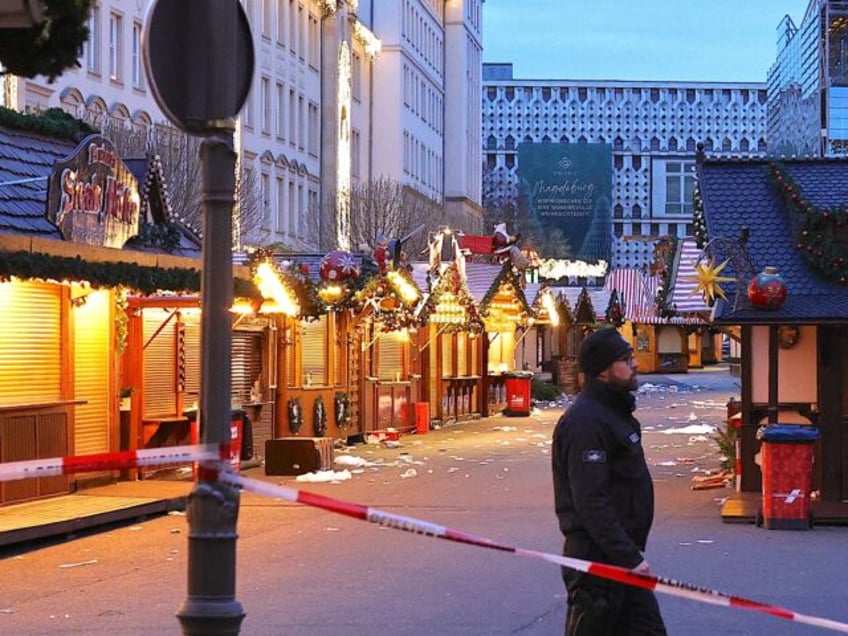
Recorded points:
(684, 282)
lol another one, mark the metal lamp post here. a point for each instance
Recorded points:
(199, 58)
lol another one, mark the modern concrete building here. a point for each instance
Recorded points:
(652, 128)
(808, 83)
(342, 91)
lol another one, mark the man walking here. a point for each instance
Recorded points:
(604, 495)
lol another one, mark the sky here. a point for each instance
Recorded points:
(637, 40)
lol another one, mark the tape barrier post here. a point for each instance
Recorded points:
(611, 572)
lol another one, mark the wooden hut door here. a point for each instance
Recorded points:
(833, 363)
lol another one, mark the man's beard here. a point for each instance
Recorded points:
(628, 384)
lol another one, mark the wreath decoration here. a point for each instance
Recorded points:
(319, 417)
(819, 228)
(341, 409)
(615, 310)
(295, 413)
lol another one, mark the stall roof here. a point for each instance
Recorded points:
(740, 197)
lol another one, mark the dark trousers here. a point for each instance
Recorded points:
(598, 607)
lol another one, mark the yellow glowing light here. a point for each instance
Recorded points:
(271, 287)
(242, 308)
(550, 307)
(709, 281)
(331, 293)
(407, 291)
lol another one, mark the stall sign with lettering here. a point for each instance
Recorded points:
(93, 197)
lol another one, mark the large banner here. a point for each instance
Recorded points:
(565, 194)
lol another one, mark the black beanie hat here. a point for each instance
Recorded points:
(600, 349)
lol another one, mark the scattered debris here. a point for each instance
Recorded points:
(706, 482)
(325, 476)
(65, 566)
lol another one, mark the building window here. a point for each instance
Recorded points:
(354, 153)
(266, 200)
(281, 112)
(137, 65)
(92, 45)
(281, 205)
(679, 188)
(292, 25)
(292, 209)
(292, 117)
(281, 20)
(247, 111)
(314, 41)
(115, 46)
(301, 111)
(265, 95)
(356, 77)
(313, 131)
(267, 18)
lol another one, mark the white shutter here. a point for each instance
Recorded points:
(92, 373)
(30, 343)
(390, 356)
(246, 362)
(192, 357)
(313, 346)
(160, 396)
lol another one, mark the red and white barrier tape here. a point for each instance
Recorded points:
(611, 572)
(28, 469)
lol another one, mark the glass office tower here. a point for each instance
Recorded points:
(808, 83)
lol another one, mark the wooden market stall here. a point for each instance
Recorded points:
(70, 261)
(779, 224)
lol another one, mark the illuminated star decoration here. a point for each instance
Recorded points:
(709, 281)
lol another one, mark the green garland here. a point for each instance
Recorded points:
(165, 236)
(139, 278)
(51, 47)
(819, 227)
(699, 219)
(53, 122)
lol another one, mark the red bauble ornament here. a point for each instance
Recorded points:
(339, 265)
(767, 289)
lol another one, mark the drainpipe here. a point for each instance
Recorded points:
(370, 103)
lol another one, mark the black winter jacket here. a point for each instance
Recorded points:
(603, 491)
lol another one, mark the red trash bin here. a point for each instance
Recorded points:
(787, 464)
(236, 434)
(236, 437)
(517, 393)
(422, 417)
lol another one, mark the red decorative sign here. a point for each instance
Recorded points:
(93, 197)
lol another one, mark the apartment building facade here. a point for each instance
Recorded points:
(325, 72)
